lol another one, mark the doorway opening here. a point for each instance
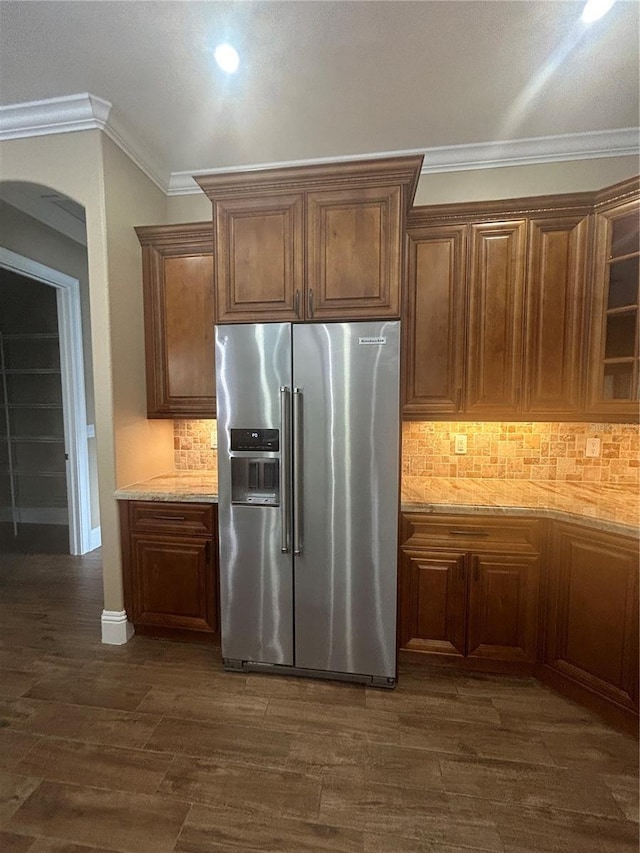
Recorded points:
(44, 454)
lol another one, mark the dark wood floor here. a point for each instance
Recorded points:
(152, 748)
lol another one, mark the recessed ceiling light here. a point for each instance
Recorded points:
(595, 9)
(227, 58)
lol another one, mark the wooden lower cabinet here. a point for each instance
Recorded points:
(432, 602)
(503, 607)
(479, 601)
(591, 642)
(170, 568)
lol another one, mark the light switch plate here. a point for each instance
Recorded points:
(461, 443)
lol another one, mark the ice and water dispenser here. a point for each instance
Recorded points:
(255, 479)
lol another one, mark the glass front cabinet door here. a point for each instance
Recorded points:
(613, 385)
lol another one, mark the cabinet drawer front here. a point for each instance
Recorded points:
(171, 517)
(471, 533)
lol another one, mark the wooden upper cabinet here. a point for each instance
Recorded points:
(495, 309)
(554, 315)
(179, 317)
(354, 253)
(614, 345)
(435, 320)
(260, 258)
(496, 318)
(317, 242)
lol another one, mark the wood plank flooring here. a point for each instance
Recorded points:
(152, 748)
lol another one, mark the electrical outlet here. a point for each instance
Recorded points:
(593, 447)
(214, 439)
(461, 443)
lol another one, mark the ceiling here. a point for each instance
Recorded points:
(325, 79)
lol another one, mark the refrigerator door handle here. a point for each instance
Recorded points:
(285, 457)
(297, 471)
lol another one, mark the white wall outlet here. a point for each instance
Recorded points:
(592, 447)
(214, 438)
(460, 443)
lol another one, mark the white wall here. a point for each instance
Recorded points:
(522, 181)
(144, 447)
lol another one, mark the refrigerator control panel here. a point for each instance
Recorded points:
(255, 439)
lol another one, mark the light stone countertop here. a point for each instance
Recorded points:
(607, 507)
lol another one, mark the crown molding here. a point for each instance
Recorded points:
(621, 142)
(590, 145)
(55, 115)
(89, 112)
(71, 113)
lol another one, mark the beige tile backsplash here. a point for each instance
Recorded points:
(509, 451)
(523, 451)
(192, 445)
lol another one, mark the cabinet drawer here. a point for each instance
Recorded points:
(475, 533)
(159, 516)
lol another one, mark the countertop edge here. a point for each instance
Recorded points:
(127, 494)
(531, 512)
(142, 494)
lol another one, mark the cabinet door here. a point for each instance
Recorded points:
(173, 582)
(592, 619)
(354, 253)
(496, 308)
(614, 349)
(259, 258)
(432, 602)
(179, 320)
(503, 607)
(555, 299)
(434, 321)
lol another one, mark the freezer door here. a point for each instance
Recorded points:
(347, 376)
(253, 363)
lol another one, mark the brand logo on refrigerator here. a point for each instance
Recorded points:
(372, 341)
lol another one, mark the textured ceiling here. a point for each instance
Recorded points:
(326, 79)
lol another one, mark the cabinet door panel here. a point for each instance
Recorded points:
(353, 253)
(434, 321)
(494, 358)
(555, 305)
(173, 583)
(432, 602)
(593, 616)
(503, 607)
(189, 338)
(259, 258)
(179, 317)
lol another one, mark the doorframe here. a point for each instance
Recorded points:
(74, 405)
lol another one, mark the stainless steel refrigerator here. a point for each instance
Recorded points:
(308, 479)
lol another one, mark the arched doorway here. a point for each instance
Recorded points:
(30, 447)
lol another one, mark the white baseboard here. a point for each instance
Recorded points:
(95, 538)
(116, 631)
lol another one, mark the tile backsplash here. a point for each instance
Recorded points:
(192, 445)
(523, 451)
(509, 451)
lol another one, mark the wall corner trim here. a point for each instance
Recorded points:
(116, 630)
